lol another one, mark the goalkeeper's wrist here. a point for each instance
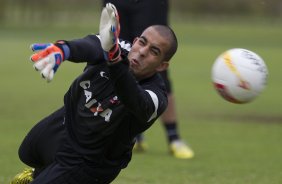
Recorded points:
(113, 56)
(65, 49)
(122, 60)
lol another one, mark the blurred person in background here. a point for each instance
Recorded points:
(136, 16)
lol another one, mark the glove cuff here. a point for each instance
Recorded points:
(65, 49)
(113, 55)
(123, 60)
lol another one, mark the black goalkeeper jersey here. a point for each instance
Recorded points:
(106, 107)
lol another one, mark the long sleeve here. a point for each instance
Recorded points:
(146, 100)
(87, 49)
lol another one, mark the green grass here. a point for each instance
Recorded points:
(234, 144)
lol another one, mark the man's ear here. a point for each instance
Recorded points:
(163, 66)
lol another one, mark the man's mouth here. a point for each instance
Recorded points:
(134, 62)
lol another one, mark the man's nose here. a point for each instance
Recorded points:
(143, 51)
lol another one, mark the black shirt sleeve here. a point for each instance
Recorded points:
(87, 49)
(146, 102)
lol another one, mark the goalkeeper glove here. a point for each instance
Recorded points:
(48, 59)
(109, 33)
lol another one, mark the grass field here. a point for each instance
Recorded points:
(234, 144)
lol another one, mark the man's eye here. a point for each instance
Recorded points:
(154, 52)
(141, 42)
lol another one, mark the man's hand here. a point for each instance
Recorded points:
(47, 59)
(109, 32)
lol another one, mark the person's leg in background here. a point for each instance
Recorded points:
(177, 146)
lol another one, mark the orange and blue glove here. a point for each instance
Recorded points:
(109, 33)
(47, 59)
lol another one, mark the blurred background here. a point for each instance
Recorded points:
(69, 12)
(233, 143)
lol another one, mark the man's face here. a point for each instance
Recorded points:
(146, 56)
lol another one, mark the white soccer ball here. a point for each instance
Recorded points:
(239, 75)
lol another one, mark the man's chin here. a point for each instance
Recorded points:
(133, 73)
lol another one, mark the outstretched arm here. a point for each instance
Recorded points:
(48, 56)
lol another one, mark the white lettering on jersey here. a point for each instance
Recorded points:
(156, 103)
(85, 85)
(98, 107)
(88, 95)
(91, 103)
(106, 114)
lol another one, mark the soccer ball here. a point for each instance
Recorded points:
(239, 75)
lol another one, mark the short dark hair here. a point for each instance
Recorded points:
(168, 33)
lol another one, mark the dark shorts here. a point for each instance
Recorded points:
(165, 76)
(137, 15)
